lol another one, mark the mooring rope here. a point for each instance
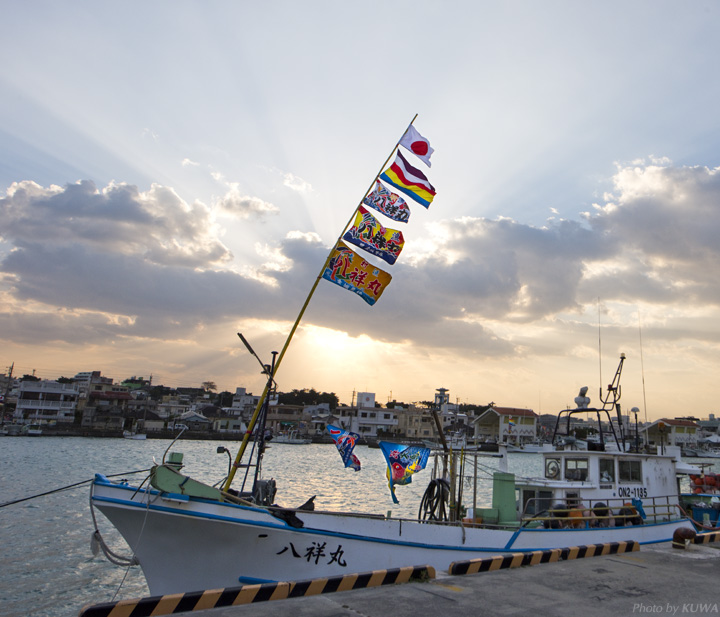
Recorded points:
(69, 486)
(97, 544)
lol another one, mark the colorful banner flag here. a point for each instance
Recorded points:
(409, 180)
(345, 442)
(403, 461)
(349, 270)
(390, 204)
(367, 233)
(417, 144)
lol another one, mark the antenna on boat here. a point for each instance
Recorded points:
(642, 366)
(613, 390)
(265, 367)
(599, 349)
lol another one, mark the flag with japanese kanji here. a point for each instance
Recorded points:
(353, 272)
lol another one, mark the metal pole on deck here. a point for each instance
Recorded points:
(475, 489)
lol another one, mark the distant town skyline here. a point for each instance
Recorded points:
(159, 197)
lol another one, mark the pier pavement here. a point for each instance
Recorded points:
(655, 580)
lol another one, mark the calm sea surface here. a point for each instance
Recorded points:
(46, 566)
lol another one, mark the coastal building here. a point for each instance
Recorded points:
(506, 425)
(366, 419)
(228, 425)
(106, 405)
(46, 401)
(709, 427)
(243, 404)
(416, 423)
(286, 418)
(137, 383)
(194, 420)
(675, 432)
(172, 406)
(372, 422)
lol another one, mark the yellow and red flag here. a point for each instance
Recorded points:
(349, 270)
(367, 233)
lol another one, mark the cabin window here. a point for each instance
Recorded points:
(576, 469)
(630, 471)
(607, 470)
(536, 502)
(552, 468)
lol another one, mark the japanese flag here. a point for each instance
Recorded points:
(417, 144)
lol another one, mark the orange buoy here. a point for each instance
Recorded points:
(576, 514)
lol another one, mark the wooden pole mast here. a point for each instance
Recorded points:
(258, 408)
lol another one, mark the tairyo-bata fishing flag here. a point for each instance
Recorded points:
(409, 180)
(349, 270)
(403, 461)
(367, 233)
(345, 442)
(390, 204)
(417, 144)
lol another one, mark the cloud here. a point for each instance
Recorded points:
(244, 206)
(120, 219)
(296, 184)
(665, 222)
(124, 263)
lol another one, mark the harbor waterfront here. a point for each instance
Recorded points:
(48, 567)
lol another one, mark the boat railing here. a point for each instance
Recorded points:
(575, 513)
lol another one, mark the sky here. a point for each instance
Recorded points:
(175, 172)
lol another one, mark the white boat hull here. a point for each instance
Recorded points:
(129, 435)
(186, 544)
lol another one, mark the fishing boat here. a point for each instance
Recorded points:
(134, 435)
(292, 438)
(528, 448)
(456, 441)
(32, 430)
(187, 535)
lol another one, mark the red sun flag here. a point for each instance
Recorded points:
(417, 144)
(420, 148)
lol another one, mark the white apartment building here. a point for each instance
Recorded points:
(243, 403)
(46, 401)
(366, 419)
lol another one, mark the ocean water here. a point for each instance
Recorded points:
(46, 566)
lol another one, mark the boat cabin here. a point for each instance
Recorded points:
(587, 480)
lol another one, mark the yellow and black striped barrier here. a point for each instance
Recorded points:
(706, 538)
(534, 558)
(248, 594)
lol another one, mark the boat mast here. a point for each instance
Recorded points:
(258, 408)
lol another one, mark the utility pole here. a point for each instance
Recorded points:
(7, 391)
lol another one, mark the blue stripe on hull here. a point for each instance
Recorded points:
(282, 526)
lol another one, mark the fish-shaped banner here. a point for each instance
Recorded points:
(367, 233)
(345, 442)
(349, 270)
(403, 461)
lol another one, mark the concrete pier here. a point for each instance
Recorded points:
(656, 579)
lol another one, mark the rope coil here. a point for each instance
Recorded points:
(433, 506)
